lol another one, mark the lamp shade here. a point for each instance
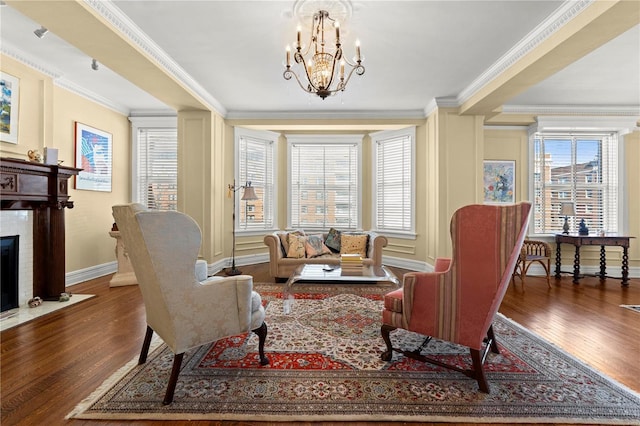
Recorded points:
(249, 193)
(567, 209)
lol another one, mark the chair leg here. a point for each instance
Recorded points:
(548, 271)
(262, 336)
(145, 346)
(173, 379)
(492, 339)
(479, 375)
(385, 330)
(518, 272)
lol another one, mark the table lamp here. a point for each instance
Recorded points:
(566, 210)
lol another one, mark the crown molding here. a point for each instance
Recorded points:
(565, 13)
(128, 29)
(57, 77)
(599, 110)
(622, 125)
(8, 49)
(326, 115)
(91, 96)
(441, 102)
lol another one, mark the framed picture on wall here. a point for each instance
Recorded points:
(9, 108)
(499, 181)
(94, 149)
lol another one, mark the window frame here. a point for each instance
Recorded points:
(376, 139)
(323, 139)
(576, 187)
(268, 138)
(139, 123)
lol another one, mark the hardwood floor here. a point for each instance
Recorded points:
(50, 364)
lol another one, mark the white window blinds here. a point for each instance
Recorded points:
(255, 164)
(577, 168)
(157, 168)
(394, 179)
(324, 183)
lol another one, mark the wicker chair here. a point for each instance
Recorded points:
(533, 252)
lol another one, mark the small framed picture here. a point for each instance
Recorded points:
(499, 181)
(94, 149)
(9, 108)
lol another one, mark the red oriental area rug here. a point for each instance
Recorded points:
(325, 366)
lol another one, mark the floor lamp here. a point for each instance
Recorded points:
(248, 194)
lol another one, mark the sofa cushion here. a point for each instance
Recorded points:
(354, 244)
(333, 240)
(315, 246)
(284, 239)
(296, 246)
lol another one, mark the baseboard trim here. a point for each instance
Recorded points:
(86, 274)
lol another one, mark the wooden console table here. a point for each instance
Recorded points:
(593, 240)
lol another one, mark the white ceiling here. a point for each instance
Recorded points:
(415, 51)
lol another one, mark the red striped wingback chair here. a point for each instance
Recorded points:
(458, 301)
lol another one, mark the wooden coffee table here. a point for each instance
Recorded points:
(334, 274)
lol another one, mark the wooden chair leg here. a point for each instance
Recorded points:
(548, 271)
(145, 346)
(476, 356)
(262, 336)
(385, 330)
(494, 342)
(173, 379)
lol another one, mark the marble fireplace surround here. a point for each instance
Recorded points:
(20, 222)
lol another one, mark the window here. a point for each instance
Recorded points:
(327, 167)
(577, 167)
(255, 163)
(155, 162)
(393, 182)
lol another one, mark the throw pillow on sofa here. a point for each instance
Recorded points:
(315, 246)
(354, 244)
(333, 240)
(284, 239)
(296, 246)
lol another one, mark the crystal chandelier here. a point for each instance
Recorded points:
(321, 67)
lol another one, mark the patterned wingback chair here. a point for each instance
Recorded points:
(185, 312)
(458, 301)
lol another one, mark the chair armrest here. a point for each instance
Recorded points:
(376, 243)
(236, 292)
(442, 264)
(421, 294)
(272, 241)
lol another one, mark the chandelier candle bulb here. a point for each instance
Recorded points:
(342, 70)
(337, 33)
(299, 46)
(288, 56)
(358, 50)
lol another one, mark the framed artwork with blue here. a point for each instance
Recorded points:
(94, 149)
(499, 183)
(9, 108)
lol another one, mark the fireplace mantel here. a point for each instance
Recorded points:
(43, 188)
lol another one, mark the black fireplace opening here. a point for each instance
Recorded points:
(9, 272)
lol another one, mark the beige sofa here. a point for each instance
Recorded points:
(281, 267)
